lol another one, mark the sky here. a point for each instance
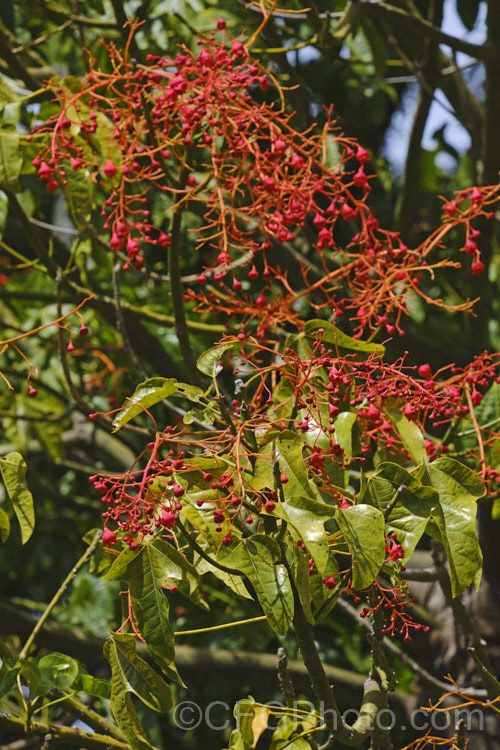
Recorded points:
(396, 145)
(455, 134)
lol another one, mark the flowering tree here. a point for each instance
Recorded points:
(292, 460)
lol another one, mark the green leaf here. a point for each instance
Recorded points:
(400, 478)
(4, 210)
(459, 488)
(377, 44)
(467, 483)
(146, 576)
(333, 335)
(86, 683)
(363, 529)
(468, 10)
(56, 670)
(119, 567)
(307, 517)
(288, 726)
(495, 510)
(191, 392)
(251, 719)
(236, 741)
(146, 394)
(410, 434)
(31, 674)
(80, 192)
(209, 362)
(197, 489)
(6, 93)
(344, 424)
(175, 565)
(10, 159)
(411, 511)
(283, 398)
(302, 581)
(233, 582)
(202, 518)
(262, 472)
(13, 469)
(258, 558)
(179, 572)
(290, 447)
(9, 670)
(4, 525)
(141, 678)
(121, 705)
(205, 416)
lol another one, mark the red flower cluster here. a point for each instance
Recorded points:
(191, 128)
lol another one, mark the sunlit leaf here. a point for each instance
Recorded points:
(409, 511)
(13, 469)
(290, 446)
(411, 435)
(209, 362)
(146, 394)
(307, 517)
(57, 670)
(86, 683)
(251, 718)
(459, 488)
(4, 525)
(363, 529)
(333, 335)
(257, 557)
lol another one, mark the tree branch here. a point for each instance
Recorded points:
(408, 22)
(405, 207)
(192, 661)
(71, 736)
(396, 17)
(373, 695)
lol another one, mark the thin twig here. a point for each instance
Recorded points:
(42, 38)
